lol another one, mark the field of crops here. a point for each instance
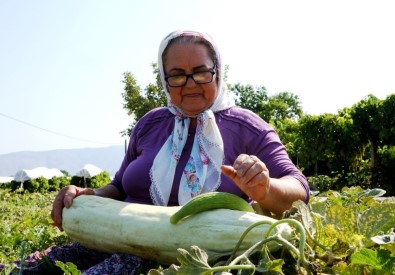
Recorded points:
(25, 224)
(347, 232)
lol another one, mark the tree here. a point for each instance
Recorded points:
(367, 119)
(283, 106)
(253, 99)
(386, 174)
(311, 142)
(288, 131)
(328, 143)
(282, 110)
(387, 133)
(138, 102)
(273, 109)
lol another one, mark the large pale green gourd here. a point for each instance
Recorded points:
(145, 230)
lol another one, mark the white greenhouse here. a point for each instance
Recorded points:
(25, 175)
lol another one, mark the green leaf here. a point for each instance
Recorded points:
(386, 241)
(193, 262)
(305, 217)
(341, 248)
(376, 192)
(345, 222)
(344, 269)
(318, 205)
(197, 257)
(8, 270)
(68, 268)
(276, 266)
(378, 259)
(378, 218)
(390, 247)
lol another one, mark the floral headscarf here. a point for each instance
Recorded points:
(202, 172)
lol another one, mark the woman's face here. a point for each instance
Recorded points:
(190, 58)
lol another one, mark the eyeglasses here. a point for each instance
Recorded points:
(199, 78)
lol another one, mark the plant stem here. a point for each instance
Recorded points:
(238, 267)
(316, 242)
(22, 256)
(278, 238)
(270, 239)
(302, 240)
(243, 236)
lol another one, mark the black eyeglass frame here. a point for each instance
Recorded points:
(213, 71)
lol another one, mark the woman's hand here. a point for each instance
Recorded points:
(65, 198)
(251, 175)
(273, 194)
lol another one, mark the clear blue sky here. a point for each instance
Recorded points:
(61, 62)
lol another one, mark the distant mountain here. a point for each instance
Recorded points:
(70, 160)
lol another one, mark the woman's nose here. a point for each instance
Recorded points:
(190, 81)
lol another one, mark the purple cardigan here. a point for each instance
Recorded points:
(242, 132)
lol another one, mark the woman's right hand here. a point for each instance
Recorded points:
(65, 198)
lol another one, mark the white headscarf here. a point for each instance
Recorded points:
(202, 172)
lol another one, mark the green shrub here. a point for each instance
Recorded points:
(36, 185)
(5, 185)
(321, 183)
(385, 172)
(100, 180)
(41, 185)
(361, 177)
(57, 183)
(97, 181)
(14, 185)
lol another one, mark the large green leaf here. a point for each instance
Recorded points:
(377, 259)
(379, 218)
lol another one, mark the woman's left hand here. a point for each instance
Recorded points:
(251, 175)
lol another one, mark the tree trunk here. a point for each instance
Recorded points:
(374, 154)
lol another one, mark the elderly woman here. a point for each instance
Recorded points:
(200, 142)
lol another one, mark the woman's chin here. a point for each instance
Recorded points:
(193, 110)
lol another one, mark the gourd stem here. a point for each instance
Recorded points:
(238, 267)
(243, 236)
(246, 253)
(316, 242)
(295, 223)
(302, 240)
(275, 238)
